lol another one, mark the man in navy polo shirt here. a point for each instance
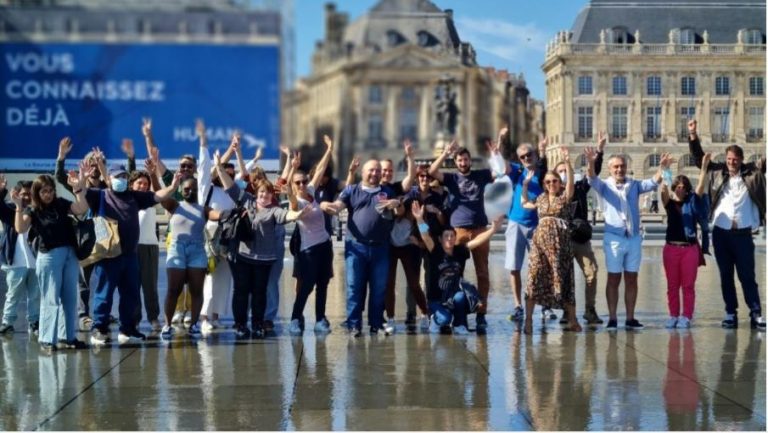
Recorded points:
(372, 209)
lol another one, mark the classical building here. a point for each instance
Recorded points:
(640, 70)
(402, 71)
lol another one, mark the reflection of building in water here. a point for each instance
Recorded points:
(381, 79)
(639, 70)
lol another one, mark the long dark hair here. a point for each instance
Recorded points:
(37, 185)
(682, 179)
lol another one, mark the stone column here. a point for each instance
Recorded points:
(635, 111)
(600, 110)
(391, 118)
(567, 97)
(425, 120)
(738, 107)
(704, 113)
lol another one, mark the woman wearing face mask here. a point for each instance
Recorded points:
(550, 276)
(148, 249)
(187, 261)
(252, 260)
(56, 266)
(682, 253)
(122, 272)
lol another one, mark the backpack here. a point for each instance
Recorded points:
(235, 225)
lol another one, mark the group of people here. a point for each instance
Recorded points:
(226, 240)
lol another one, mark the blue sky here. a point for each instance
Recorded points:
(507, 34)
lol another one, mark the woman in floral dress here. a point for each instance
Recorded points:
(550, 276)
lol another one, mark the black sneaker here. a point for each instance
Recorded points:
(410, 319)
(611, 326)
(269, 326)
(756, 321)
(242, 332)
(374, 331)
(633, 325)
(481, 324)
(354, 332)
(6, 329)
(590, 315)
(257, 333)
(34, 328)
(731, 321)
(71, 344)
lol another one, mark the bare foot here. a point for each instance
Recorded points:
(573, 327)
(528, 327)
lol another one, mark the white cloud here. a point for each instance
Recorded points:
(503, 39)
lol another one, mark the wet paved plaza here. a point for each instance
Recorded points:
(706, 378)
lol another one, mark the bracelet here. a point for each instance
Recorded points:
(423, 227)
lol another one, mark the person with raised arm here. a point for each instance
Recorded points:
(550, 275)
(371, 210)
(622, 242)
(682, 253)
(56, 265)
(737, 192)
(445, 269)
(314, 262)
(468, 217)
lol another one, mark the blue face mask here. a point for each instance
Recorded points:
(241, 183)
(119, 184)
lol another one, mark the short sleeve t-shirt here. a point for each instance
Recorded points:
(312, 224)
(467, 191)
(54, 226)
(444, 271)
(327, 192)
(517, 213)
(365, 224)
(124, 208)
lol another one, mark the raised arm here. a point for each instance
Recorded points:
(65, 146)
(6, 213)
(703, 174)
(417, 211)
(591, 154)
(434, 169)
(664, 194)
(239, 153)
(150, 167)
(602, 140)
(130, 154)
(323, 163)
(411, 174)
(665, 161)
(76, 180)
(569, 184)
(254, 162)
(527, 203)
(494, 151)
(292, 200)
(351, 171)
(486, 235)
(287, 167)
(101, 159)
(204, 165)
(694, 144)
(170, 189)
(226, 181)
(146, 131)
(21, 221)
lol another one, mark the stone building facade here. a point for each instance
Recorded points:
(640, 70)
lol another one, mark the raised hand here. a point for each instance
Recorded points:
(692, 124)
(85, 171)
(216, 158)
(328, 142)
(590, 153)
(154, 155)
(543, 142)
(354, 165)
(666, 160)
(602, 140)
(16, 198)
(565, 154)
(704, 161)
(235, 143)
(177, 179)
(408, 148)
(528, 176)
(452, 148)
(146, 126)
(149, 165)
(199, 127)
(127, 147)
(65, 145)
(285, 150)
(502, 133)
(259, 154)
(98, 154)
(3, 182)
(417, 210)
(296, 161)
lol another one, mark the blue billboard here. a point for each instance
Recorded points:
(97, 94)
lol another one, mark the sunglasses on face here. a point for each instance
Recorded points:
(526, 155)
(551, 181)
(189, 166)
(300, 182)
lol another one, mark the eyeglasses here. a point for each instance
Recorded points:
(549, 181)
(46, 191)
(526, 155)
(300, 182)
(186, 166)
(425, 176)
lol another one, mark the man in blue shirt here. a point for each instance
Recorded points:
(372, 209)
(622, 241)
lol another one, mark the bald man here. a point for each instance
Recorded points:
(372, 209)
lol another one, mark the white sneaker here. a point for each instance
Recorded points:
(434, 328)
(295, 328)
(460, 330)
(323, 326)
(167, 332)
(126, 339)
(207, 327)
(389, 327)
(424, 323)
(178, 317)
(188, 318)
(683, 322)
(671, 323)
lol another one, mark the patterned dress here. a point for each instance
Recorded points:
(550, 276)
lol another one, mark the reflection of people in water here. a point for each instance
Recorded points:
(621, 406)
(738, 377)
(558, 397)
(681, 385)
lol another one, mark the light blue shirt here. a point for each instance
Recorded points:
(611, 197)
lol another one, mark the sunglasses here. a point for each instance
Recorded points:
(550, 181)
(300, 182)
(526, 155)
(186, 166)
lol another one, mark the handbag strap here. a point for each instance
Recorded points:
(101, 202)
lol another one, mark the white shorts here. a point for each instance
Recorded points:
(622, 254)
(518, 239)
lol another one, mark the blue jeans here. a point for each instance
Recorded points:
(443, 315)
(121, 273)
(366, 266)
(57, 274)
(273, 285)
(736, 250)
(21, 281)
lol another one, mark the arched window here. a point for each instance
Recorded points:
(618, 35)
(686, 36)
(652, 160)
(687, 161)
(394, 38)
(426, 39)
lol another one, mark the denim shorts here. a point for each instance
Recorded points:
(622, 254)
(186, 254)
(518, 240)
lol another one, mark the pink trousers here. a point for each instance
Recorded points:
(681, 264)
